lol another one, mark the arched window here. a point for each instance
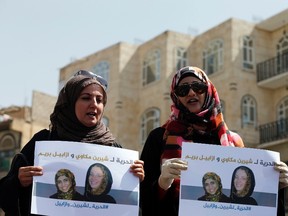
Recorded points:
(222, 107)
(181, 58)
(283, 109)
(151, 67)
(248, 111)
(282, 54)
(282, 115)
(213, 57)
(102, 69)
(8, 145)
(248, 60)
(149, 120)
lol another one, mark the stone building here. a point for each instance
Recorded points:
(19, 124)
(247, 62)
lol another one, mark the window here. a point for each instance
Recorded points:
(282, 54)
(4, 164)
(8, 145)
(105, 120)
(283, 109)
(102, 69)
(63, 82)
(283, 116)
(151, 67)
(248, 111)
(248, 62)
(150, 120)
(181, 58)
(213, 57)
(222, 103)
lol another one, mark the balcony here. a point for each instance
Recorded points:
(274, 131)
(273, 73)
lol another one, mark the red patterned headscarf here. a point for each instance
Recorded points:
(183, 122)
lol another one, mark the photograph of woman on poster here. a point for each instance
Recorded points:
(242, 186)
(213, 188)
(98, 184)
(66, 186)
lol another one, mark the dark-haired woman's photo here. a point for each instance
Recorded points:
(242, 186)
(98, 184)
(212, 186)
(66, 186)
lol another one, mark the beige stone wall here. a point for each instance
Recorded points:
(30, 120)
(42, 107)
(128, 99)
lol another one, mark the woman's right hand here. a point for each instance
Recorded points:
(170, 170)
(282, 168)
(25, 174)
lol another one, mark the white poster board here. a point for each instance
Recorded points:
(78, 157)
(204, 158)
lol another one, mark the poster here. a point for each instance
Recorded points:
(256, 171)
(85, 162)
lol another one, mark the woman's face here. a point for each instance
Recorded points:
(89, 106)
(96, 177)
(64, 183)
(192, 101)
(240, 180)
(211, 186)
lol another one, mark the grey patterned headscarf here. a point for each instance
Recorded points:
(64, 120)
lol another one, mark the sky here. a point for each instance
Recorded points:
(39, 37)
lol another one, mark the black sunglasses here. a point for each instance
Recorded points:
(197, 87)
(89, 74)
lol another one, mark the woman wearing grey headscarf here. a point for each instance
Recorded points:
(76, 117)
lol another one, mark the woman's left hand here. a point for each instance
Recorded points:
(282, 168)
(137, 168)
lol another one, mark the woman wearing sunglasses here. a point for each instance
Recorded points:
(195, 116)
(76, 117)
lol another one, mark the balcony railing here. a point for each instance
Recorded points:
(272, 67)
(274, 131)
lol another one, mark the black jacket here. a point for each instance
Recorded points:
(11, 205)
(13, 189)
(149, 189)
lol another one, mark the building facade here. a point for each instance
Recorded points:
(248, 63)
(19, 124)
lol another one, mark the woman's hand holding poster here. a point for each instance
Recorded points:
(84, 179)
(228, 181)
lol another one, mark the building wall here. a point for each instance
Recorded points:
(128, 99)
